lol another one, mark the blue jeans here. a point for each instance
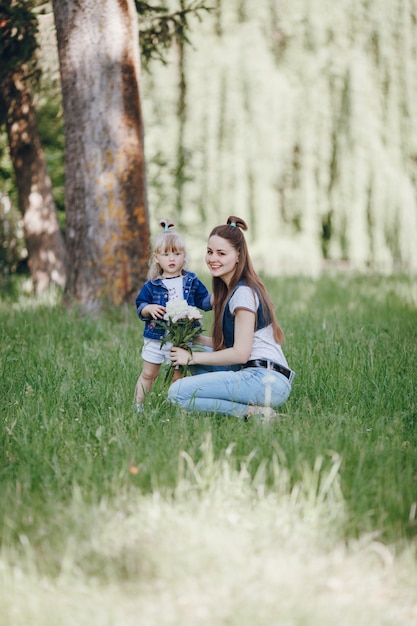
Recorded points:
(223, 390)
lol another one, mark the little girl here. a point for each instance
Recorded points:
(167, 280)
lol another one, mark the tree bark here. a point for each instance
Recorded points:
(44, 241)
(106, 205)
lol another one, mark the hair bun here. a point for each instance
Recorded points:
(233, 220)
(166, 225)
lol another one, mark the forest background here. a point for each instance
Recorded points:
(298, 116)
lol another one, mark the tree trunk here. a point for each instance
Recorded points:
(44, 241)
(106, 206)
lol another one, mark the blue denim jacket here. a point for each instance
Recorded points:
(155, 292)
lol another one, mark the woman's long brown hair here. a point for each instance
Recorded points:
(232, 232)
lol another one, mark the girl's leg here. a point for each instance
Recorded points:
(145, 381)
(176, 375)
(230, 392)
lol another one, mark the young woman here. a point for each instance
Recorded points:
(243, 371)
(168, 279)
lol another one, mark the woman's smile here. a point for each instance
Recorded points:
(221, 258)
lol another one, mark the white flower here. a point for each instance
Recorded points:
(182, 327)
(180, 310)
(193, 313)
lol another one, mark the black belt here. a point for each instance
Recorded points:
(269, 365)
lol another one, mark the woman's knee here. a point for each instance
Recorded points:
(178, 392)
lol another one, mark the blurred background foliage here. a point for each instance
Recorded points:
(299, 116)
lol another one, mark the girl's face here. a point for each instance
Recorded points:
(171, 262)
(221, 258)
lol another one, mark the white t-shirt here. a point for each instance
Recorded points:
(174, 286)
(264, 343)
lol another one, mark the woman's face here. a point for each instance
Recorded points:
(221, 258)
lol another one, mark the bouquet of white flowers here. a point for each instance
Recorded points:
(182, 326)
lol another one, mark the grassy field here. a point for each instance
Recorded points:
(109, 518)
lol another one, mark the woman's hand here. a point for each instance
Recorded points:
(155, 311)
(179, 356)
(244, 331)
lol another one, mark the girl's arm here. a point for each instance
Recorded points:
(242, 347)
(155, 311)
(145, 307)
(202, 298)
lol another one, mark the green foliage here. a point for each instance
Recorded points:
(18, 44)
(12, 246)
(298, 115)
(159, 27)
(18, 35)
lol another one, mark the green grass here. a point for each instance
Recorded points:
(341, 462)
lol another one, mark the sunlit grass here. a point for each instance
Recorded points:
(193, 519)
(218, 549)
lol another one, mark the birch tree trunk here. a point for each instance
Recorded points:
(106, 206)
(43, 238)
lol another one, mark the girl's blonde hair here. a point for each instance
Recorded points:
(167, 241)
(232, 232)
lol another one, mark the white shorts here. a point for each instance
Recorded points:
(153, 353)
